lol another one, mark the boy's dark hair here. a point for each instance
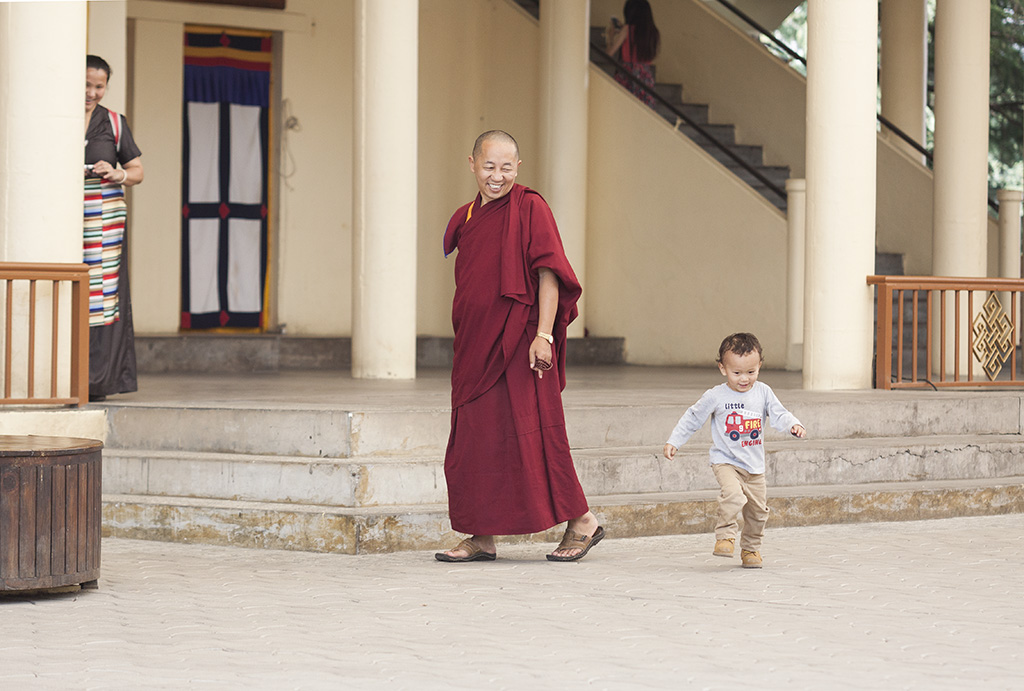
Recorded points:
(740, 343)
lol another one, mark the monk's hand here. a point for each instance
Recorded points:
(540, 356)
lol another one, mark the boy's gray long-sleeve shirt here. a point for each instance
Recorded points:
(736, 424)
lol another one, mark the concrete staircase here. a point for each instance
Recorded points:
(723, 133)
(352, 480)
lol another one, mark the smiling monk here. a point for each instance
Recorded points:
(508, 466)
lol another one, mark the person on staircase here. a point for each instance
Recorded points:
(507, 466)
(638, 40)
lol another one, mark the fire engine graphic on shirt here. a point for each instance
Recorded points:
(736, 426)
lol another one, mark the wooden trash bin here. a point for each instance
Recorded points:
(50, 511)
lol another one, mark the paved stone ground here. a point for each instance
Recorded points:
(934, 604)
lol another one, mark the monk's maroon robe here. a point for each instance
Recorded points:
(508, 466)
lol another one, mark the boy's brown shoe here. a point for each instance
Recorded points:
(724, 548)
(751, 560)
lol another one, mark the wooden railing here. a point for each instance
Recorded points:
(25, 289)
(989, 338)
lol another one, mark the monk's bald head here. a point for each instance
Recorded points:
(496, 136)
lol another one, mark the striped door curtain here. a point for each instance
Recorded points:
(225, 179)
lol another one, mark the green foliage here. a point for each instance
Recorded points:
(1006, 102)
(793, 32)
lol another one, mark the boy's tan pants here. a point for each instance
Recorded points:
(741, 491)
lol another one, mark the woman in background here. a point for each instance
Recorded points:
(639, 41)
(108, 142)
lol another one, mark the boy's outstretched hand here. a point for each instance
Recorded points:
(670, 451)
(798, 431)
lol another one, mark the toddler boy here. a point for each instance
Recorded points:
(737, 409)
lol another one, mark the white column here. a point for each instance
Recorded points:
(904, 65)
(385, 194)
(1009, 241)
(961, 149)
(842, 47)
(42, 127)
(108, 38)
(961, 137)
(564, 81)
(42, 110)
(796, 215)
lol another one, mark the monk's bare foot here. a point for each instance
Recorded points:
(586, 524)
(484, 542)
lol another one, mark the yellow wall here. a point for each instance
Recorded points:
(311, 248)
(485, 78)
(154, 230)
(666, 224)
(314, 241)
(903, 207)
(479, 70)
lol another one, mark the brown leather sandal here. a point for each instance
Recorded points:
(573, 540)
(472, 550)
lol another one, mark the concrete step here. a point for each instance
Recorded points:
(382, 481)
(278, 431)
(219, 353)
(724, 134)
(777, 175)
(673, 93)
(352, 531)
(363, 482)
(327, 433)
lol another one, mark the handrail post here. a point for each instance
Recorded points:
(80, 339)
(1009, 242)
(796, 220)
(883, 337)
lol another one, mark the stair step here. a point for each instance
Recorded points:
(343, 482)
(750, 154)
(387, 529)
(374, 482)
(635, 420)
(888, 264)
(278, 431)
(724, 134)
(777, 175)
(673, 93)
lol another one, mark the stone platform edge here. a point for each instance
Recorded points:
(235, 353)
(391, 529)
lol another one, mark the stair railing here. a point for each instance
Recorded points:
(25, 288)
(598, 53)
(991, 337)
(770, 35)
(885, 122)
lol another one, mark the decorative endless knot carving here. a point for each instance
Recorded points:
(993, 337)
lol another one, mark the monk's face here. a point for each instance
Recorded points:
(495, 168)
